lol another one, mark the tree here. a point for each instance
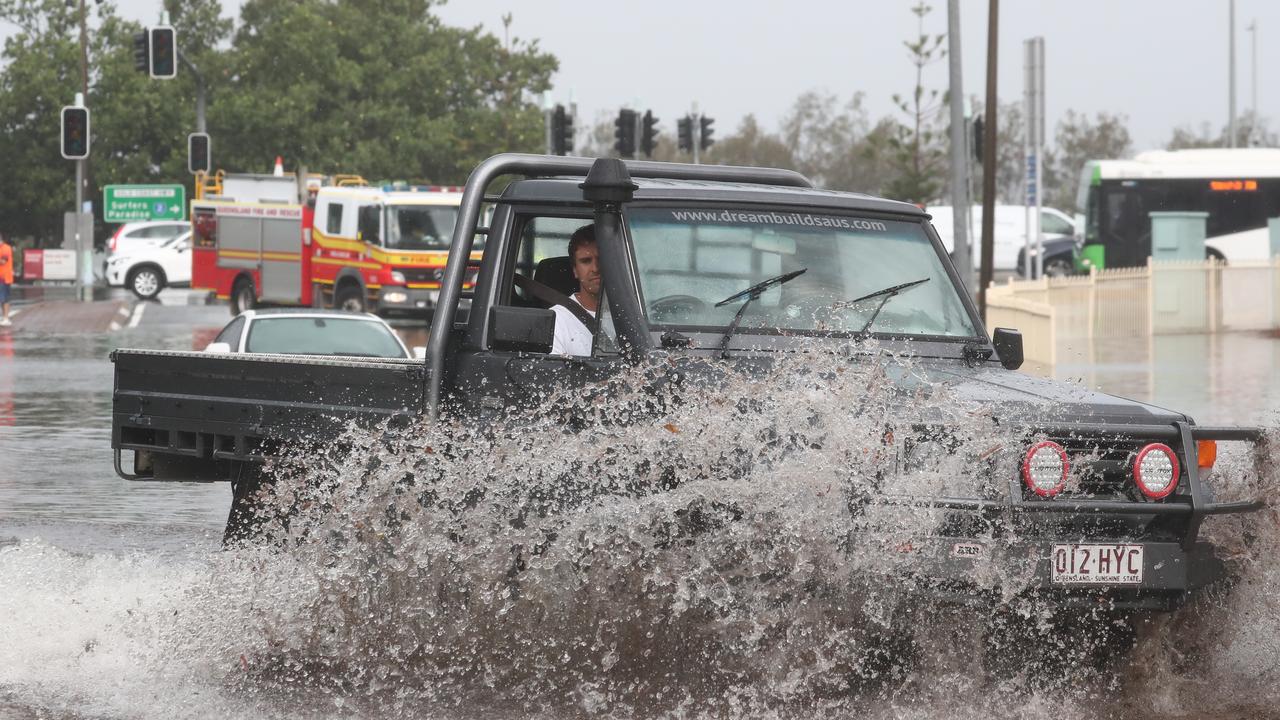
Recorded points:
(1251, 131)
(835, 145)
(1011, 163)
(381, 89)
(1076, 140)
(384, 90)
(919, 157)
(751, 145)
(41, 74)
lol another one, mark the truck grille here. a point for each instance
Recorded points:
(1100, 468)
(421, 275)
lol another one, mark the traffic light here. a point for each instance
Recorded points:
(162, 52)
(75, 132)
(561, 131)
(648, 133)
(198, 153)
(684, 133)
(141, 51)
(625, 133)
(978, 138)
(704, 139)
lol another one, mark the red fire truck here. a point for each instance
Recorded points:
(321, 241)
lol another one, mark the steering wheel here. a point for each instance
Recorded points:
(676, 307)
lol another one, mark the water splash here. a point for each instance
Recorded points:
(651, 550)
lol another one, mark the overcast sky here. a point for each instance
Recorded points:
(1162, 63)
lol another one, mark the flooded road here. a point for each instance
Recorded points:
(117, 601)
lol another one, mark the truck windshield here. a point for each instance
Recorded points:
(420, 227)
(688, 260)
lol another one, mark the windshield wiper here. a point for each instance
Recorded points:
(887, 293)
(750, 294)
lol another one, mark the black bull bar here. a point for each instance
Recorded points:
(1195, 503)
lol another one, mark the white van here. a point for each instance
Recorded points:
(1010, 236)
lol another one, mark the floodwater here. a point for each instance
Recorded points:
(732, 592)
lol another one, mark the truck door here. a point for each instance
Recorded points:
(536, 247)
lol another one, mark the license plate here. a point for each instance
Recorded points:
(1097, 564)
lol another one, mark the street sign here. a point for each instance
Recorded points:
(129, 203)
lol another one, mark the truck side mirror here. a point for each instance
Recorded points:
(1008, 344)
(523, 329)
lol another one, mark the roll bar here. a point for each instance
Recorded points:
(541, 166)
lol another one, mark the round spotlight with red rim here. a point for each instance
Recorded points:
(1044, 468)
(1155, 470)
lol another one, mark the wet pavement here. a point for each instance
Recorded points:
(1220, 379)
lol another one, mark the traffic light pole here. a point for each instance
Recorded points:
(82, 165)
(200, 92)
(639, 133)
(696, 139)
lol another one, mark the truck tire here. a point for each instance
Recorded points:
(243, 296)
(349, 297)
(245, 518)
(146, 281)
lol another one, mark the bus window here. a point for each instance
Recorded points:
(1233, 212)
(1126, 227)
(1092, 214)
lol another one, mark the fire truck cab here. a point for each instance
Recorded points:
(321, 241)
(382, 248)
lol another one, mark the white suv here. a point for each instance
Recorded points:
(146, 269)
(151, 232)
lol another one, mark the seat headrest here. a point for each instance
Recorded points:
(556, 273)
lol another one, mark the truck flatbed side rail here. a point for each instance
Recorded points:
(545, 165)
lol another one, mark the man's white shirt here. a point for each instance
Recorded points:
(572, 337)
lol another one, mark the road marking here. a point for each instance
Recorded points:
(122, 310)
(137, 314)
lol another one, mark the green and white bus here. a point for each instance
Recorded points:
(1239, 188)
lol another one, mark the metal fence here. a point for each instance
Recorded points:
(1159, 299)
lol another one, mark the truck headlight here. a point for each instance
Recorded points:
(1155, 470)
(1044, 468)
(397, 277)
(395, 296)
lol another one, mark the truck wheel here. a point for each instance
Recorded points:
(242, 296)
(244, 520)
(146, 281)
(349, 298)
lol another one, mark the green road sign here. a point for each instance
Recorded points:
(127, 203)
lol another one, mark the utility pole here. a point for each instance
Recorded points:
(1230, 44)
(1033, 151)
(991, 120)
(962, 256)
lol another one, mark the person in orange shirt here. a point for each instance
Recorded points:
(6, 279)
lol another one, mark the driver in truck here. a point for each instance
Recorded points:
(572, 335)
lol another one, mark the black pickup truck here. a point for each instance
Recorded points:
(708, 268)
